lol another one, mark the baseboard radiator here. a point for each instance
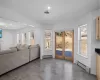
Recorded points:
(87, 69)
(47, 56)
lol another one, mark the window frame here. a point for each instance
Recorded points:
(79, 42)
(50, 38)
(22, 39)
(18, 38)
(29, 35)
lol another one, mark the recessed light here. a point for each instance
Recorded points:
(49, 7)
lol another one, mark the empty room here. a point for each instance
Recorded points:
(49, 39)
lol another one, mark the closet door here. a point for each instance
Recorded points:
(98, 28)
(98, 66)
(59, 45)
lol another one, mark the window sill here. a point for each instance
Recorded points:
(85, 56)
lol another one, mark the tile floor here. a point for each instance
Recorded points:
(48, 69)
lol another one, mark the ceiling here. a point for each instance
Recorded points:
(61, 10)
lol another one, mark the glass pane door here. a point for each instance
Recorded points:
(68, 52)
(59, 45)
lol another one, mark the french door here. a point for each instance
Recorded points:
(64, 45)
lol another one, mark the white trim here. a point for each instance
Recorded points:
(61, 30)
(18, 38)
(83, 25)
(85, 56)
(51, 38)
(79, 39)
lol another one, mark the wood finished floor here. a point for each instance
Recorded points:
(48, 69)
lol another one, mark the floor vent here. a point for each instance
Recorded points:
(87, 69)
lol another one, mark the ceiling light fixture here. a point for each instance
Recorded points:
(49, 7)
(48, 10)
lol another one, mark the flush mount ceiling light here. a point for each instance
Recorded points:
(48, 10)
(49, 7)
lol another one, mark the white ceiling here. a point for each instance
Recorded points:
(99, 3)
(61, 10)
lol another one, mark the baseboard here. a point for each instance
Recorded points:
(86, 68)
(47, 56)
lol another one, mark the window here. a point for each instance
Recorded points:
(48, 38)
(22, 36)
(82, 39)
(25, 38)
(18, 39)
(31, 38)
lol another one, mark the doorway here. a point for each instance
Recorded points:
(64, 45)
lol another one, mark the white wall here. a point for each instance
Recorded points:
(38, 36)
(90, 20)
(87, 19)
(7, 40)
(10, 14)
(64, 27)
(94, 43)
(43, 51)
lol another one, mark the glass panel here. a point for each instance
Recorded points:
(83, 41)
(47, 43)
(32, 38)
(48, 39)
(22, 36)
(18, 39)
(68, 43)
(59, 43)
(25, 38)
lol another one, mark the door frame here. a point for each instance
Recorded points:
(63, 44)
